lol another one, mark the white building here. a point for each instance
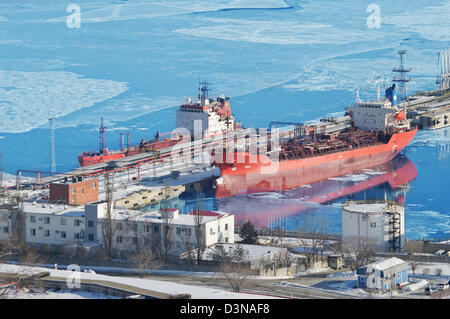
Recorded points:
(211, 117)
(64, 225)
(377, 116)
(379, 224)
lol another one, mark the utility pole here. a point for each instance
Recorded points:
(402, 72)
(108, 230)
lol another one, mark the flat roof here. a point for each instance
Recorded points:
(374, 208)
(53, 209)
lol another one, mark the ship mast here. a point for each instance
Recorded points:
(102, 137)
(202, 92)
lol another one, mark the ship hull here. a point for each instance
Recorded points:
(265, 176)
(86, 160)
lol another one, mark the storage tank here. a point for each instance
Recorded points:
(378, 224)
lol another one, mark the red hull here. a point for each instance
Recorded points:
(265, 175)
(87, 159)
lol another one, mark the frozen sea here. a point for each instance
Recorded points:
(134, 62)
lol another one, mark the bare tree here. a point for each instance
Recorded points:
(27, 257)
(108, 228)
(187, 240)
(357, 252)
(234, 267)
(199, 233)
(146, 260)
(167, 231)
(315, 228)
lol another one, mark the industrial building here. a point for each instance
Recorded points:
(378, 224)
(383, 275)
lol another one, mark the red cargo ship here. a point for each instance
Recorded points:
(104, 155)
(214, 115)
(379, 132)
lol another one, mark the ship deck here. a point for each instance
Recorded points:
(327, 143)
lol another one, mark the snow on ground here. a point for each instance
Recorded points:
(343, 274)
(414, 286)
(430, 270)
(29, 99)
(196, 292)
(287, 241)
(346, 288)
(58, 294)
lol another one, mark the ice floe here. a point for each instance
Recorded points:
(29, 99)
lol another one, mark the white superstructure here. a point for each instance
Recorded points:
(206, 117)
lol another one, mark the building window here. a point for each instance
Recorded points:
(90, 223)
(156, 229)
(135, 240)
(32, 219)
(226, 239)
(76, 222)
(73, 189)
(119, 239)
(226, 226)
(211, 231)
(91, 236)
(33, 232)
(63, 221)
(63, 234)
(47, 220)
(119, 226)
(46, 233)
(5, 229)
(82, 190)
(147, 228)
(218, 229)
(178, 230)
(94, 185)
(373, 225)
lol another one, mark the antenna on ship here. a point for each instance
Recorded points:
(52, 145)
(378, 81)
(102, 137)
(357, 99)
(203, 91)
(402, 78)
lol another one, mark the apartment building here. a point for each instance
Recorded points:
(133, 230)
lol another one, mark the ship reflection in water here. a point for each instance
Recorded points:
(389, 180)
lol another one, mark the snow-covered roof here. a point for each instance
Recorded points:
(366, 208)
(252, 252)
(386, 263)
(386, 267)
(181, 219)
(53, 209)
